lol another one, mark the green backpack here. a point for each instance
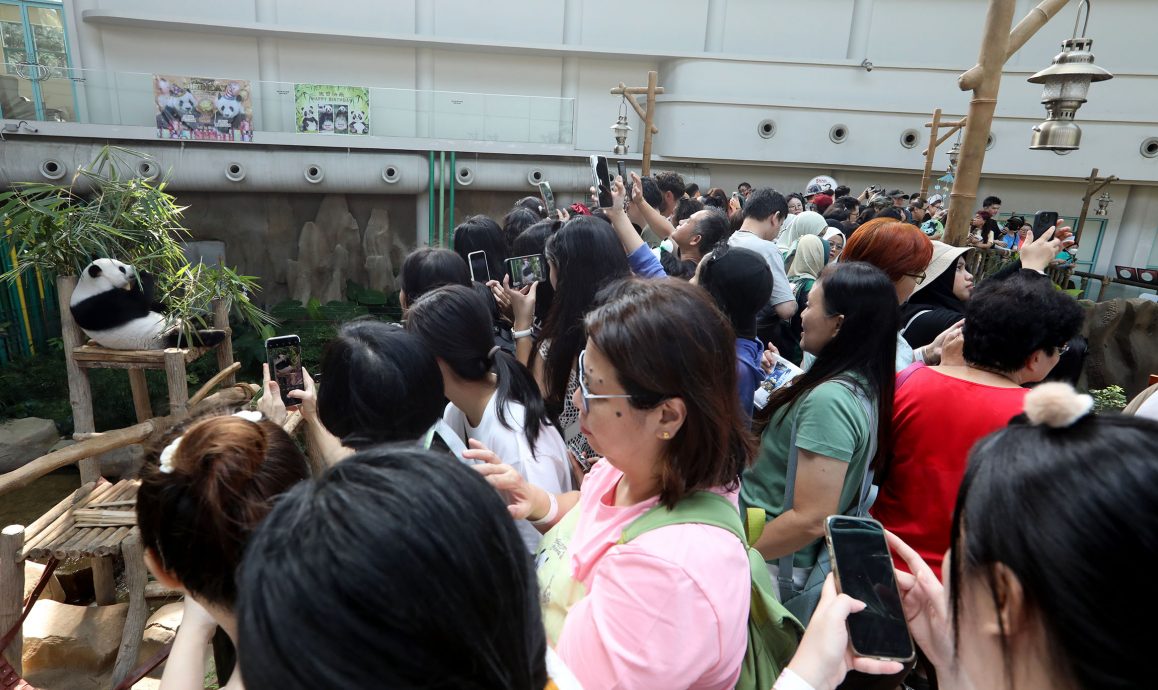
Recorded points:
(773, 632)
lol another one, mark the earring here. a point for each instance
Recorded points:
(665, 435)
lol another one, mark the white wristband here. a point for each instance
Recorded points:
(552, 512)
(522, 334)
(788, 680)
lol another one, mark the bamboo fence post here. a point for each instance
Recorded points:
(79, 392)
(135, 578)
(140, 386)
(12, 590)
(649, 121)
(175, 378)
(1021, 33)
(930, 152)
(225, 349)
(979, 121)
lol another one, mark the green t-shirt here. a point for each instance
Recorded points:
(830, 421)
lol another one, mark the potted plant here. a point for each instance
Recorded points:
(102, 212)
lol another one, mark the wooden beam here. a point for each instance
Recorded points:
(649, 120)
(930, 152)
(12, 591)
(1021, 33)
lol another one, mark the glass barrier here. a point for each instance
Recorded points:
(238, 109)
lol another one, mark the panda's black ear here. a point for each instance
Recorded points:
(94, 271)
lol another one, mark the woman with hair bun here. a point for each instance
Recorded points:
(201, 496)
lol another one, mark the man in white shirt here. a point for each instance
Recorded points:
(764, 212)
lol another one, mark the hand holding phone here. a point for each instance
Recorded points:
(601, 180)
(548, 199)
(1042, 221)
(524, 270)
(480, 270)
(284, 357)
(863, 569)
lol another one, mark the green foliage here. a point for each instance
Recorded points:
(60, 228)
(1109, 399)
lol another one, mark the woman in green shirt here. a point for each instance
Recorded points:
(826, 422)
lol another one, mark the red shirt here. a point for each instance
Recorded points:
(936, 421)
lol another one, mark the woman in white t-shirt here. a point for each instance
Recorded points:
(493, 398)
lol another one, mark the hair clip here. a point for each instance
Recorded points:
(249, 415)
(1056, 405)
(166, 464)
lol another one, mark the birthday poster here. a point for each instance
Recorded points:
(201, 108)
(329, 109)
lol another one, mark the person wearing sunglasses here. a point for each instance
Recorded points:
(668, 608)
(1015, 332)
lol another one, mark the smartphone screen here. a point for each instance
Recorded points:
(548, 199)
(1042, 221)
(480, 271)
(626, 183)
(284, 354)
(601, 180)
(525, 270)
(864, 570)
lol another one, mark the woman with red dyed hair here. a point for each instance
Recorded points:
(903, 252)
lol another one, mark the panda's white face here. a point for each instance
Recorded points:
(103, 275)
(228, 108)
(186, 103)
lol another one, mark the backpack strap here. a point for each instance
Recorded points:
(700, 508)
(907, 372)
(915, 317)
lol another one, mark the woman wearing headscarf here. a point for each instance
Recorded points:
(835, 239)
(807, 223)
(811, 256)
(938, 302)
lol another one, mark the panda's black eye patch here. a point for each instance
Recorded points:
(121, 268)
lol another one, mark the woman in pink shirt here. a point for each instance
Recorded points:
(657, 400)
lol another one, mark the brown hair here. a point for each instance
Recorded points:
(898, 249)
(197, 518)
(666, 339)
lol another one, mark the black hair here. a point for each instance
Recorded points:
(841, 191)
(586, 255)
(796, 195)
(685, 207)
(515, 222)
(481, 233)
(455, 325)
(1006, 321)
(427, 268)
(837, 212)
(651, 193)
(762, 203)
(713, 229)
(533, 204)
(692, 190)
(1074, 534)
(740, 285)
(990, 200)
(533, 241)
(669, 181)
(890, 212)
(381, 384)
(866, 344)
(741, 186)
(851, 203)
(397, 568)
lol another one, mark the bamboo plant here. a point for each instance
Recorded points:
(102, 212)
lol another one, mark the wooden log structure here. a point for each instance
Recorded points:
(12, 590)
(647, 114)
(136, 578)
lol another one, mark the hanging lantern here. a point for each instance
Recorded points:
(1104, 202)
(1067, 81)
(621, 128)
(954, 155)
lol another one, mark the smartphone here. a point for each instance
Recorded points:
(1042, 221)
(548, 199)
(284, 354)
(480, 271)
(626, 182)
(525, 270)
(863, 569)
(601, 180)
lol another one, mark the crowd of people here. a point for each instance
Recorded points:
(543, 486)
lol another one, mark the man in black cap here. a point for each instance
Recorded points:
(901, 201)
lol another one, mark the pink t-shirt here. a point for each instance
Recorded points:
(667, 610)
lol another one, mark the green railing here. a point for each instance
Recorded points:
(29, 315)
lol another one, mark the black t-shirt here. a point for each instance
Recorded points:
(925, 326)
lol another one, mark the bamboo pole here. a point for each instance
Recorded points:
(12, 591)
(994, 47)
(175, 380)
(1091, 190)
(1021, 33)
(225, 349)
(136, 578)
(79, 392)
(930, 152)
(649, 121)
(223, 376)
(140, 388)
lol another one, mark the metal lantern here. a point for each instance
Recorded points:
(954, 154)
(1067, 81)
(1104, 202)
(621, 128)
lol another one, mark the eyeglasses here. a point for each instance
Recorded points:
(918, 278)
(1062, 349)
(584, 392)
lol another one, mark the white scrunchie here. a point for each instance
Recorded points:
(166, 460)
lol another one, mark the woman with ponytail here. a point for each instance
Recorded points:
(201, 496)
(493, 398)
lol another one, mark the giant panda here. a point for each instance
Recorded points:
(113, 304)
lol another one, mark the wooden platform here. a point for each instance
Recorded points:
(93, 521)
(93, 356)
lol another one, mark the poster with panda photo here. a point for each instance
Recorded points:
(201, 108)
(329, 109)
